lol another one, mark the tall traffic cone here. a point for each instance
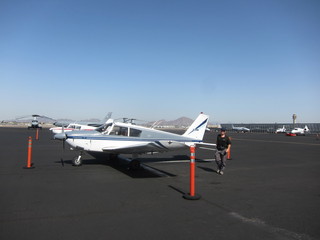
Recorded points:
(37, 134)
(29, 161)
(192, 195)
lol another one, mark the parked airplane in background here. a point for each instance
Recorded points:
(35, 123)
(80, 126)
(116, 138)
(94, 124)
(35, 120)
(240, 129)
(73, 127)
(281, 130)
(300, 131)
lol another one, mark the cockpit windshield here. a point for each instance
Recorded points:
(119, 130)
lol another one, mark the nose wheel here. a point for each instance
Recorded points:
(77, 161)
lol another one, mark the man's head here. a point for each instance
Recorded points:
(223, 131)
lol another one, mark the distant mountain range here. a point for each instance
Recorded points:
(180, 122)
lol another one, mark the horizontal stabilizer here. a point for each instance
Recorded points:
(198, 144)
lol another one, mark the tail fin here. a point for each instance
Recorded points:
(198, 127)
(107, 117)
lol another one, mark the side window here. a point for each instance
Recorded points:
(135, 132)
(121, 131)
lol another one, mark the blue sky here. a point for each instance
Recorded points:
(238, 61)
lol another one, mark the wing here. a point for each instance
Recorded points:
(211, 146)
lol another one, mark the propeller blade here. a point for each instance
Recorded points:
(62, 162)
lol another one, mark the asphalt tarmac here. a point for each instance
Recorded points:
(270, 190)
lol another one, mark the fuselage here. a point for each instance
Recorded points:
(126, 138)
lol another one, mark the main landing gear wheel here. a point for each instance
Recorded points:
(77, 161)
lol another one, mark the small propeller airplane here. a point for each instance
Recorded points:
(300, 131)
(73, 127)
(240, 129)
(99, 123)
(281, 130)
(79, 126)
(114, 138)
(35, 123)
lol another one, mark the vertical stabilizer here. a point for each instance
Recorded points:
(198, 127)
(107, 117)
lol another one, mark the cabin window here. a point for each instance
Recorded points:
(120, 131)
(135, 132)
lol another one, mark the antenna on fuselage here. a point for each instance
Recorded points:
(129, 120)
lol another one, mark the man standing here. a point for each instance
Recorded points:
(223, 147)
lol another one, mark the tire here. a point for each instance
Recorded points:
(77, 161)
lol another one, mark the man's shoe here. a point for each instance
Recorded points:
(220, 172)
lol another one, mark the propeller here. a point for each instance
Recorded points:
(64, 138)
(61, 136)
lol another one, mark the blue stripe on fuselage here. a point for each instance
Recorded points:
(200, 125)
(120, 138)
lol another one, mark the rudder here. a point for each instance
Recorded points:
(198, 127)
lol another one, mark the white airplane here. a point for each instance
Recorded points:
(35, 123)
(73, 127)
(66, 123)
(281, 130)
(240, 129)
(300, 131)
(80, 126)
(116, 138)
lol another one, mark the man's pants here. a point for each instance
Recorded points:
(221, 159)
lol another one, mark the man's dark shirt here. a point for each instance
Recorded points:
(223, 142)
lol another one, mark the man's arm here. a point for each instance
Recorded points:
(229, 145)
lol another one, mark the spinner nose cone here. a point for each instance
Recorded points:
(60, 136)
